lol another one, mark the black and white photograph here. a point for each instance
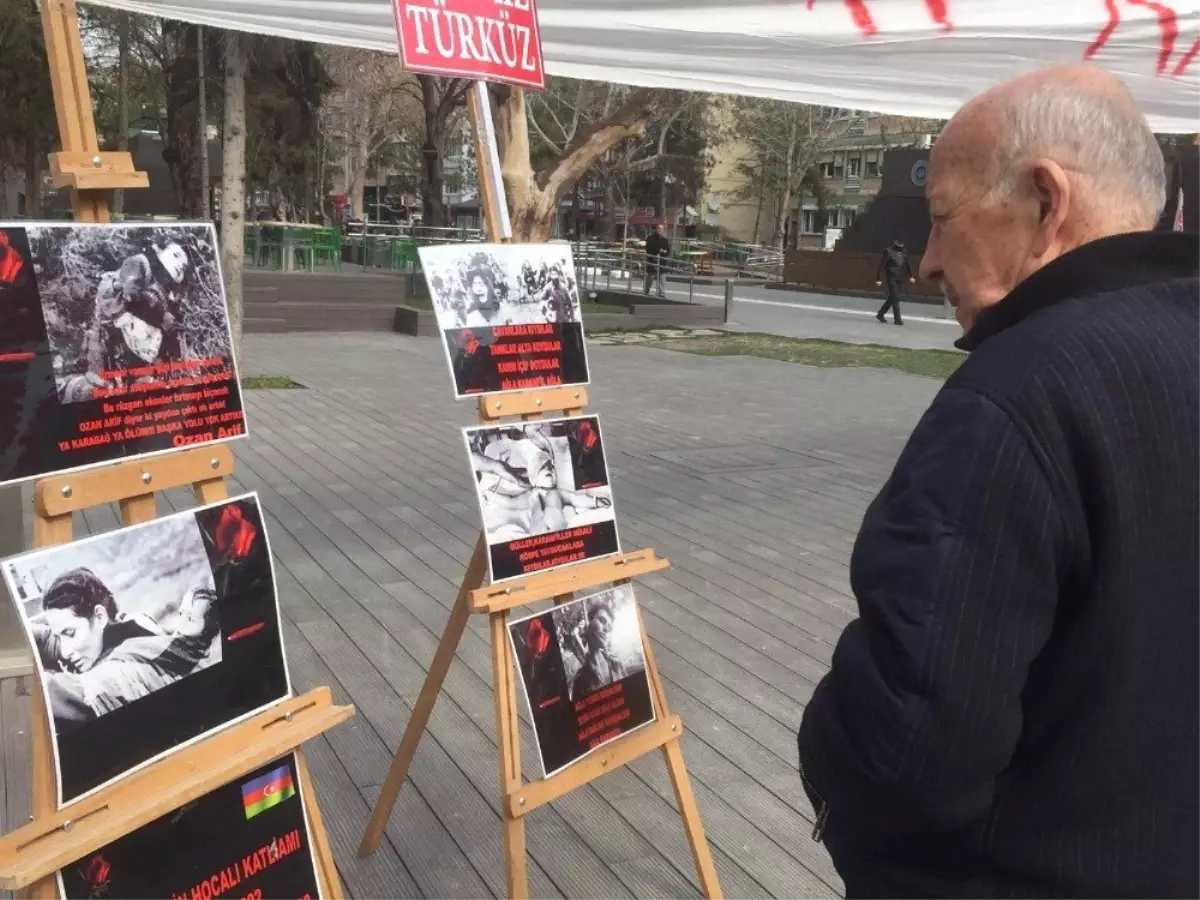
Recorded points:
(118, 300)
(116, 344)
(583, 670)
(247, 838)
(148, 637)
(544, 494)
(509, 314)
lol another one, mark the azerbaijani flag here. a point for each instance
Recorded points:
(267, 790)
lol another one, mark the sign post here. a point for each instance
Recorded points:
(497, 40)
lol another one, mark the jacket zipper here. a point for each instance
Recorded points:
(822, 811)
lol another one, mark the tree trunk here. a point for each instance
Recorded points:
(233, 181)
(432, 155)
(33, 178)
(118, 207)
(205, 179)
(758, 210)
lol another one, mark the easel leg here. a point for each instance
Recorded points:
(422, 709)
(331, 884)
(681, 784)
(508, 740)
(686, 800)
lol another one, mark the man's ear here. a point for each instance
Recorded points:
(1052, 191)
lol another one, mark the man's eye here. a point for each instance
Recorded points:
(69, 632)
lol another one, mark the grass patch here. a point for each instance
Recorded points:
(269, 383)
(817, 352)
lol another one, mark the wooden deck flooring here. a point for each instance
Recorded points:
(750, 476)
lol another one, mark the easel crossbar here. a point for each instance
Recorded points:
(60, 495)
(608, 759)
(39, 849)
(557, 582)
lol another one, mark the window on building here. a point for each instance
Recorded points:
(809, 221)
(827, 169)
(872, 168)
(853, 167)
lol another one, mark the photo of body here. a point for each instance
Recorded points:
(583, 670)
(116, 345)
(542, 478)
(149, 637)
(118, 300)
(130, 616)
(485, 285)
(509, 315)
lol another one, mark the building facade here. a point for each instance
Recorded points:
(849, 171)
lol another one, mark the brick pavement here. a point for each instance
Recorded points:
(750, 475)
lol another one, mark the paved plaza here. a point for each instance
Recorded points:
(751, 476)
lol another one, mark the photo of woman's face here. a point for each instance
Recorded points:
(479, 287)
(600, 629)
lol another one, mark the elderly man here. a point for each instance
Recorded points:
(1015, 711)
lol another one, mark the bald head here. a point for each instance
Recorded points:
(1084, 119)
(1030, 170)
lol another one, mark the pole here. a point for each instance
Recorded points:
(728, 300)
(205, 179)
(122, 102)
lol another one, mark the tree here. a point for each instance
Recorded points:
(784, 141)
(286, 85)
(440, 97)
(372, 107)
(233, 180)
(670, 150)
(27, 125)
(535, 192)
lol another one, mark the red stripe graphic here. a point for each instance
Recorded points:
(939, 12)
(1168, 33)
(247, 631)
(17, 357)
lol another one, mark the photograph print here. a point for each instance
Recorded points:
(544, 494)
(248, 838)
(583, 670)
(148, 637)
(114, 343)
(509, 315)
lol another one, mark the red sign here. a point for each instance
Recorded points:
(487, 40)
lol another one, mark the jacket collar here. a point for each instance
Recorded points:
(1107, 264)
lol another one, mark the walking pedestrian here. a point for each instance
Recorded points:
(893, 266)
(658, 249)
(1014, 713)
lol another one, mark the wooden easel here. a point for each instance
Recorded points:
(518, 798)
(31, 855)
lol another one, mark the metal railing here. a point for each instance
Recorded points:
(618, 267)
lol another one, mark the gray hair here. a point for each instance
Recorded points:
(1100, 137)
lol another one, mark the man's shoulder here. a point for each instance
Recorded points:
(1070, 346)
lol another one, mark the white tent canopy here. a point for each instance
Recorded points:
(921, 57)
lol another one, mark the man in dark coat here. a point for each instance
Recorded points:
(1183, 191)
(893, 266)
(1015, 711)
(658, 249)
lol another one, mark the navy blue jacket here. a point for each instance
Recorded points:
(1015, 711)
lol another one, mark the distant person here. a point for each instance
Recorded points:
(1182, 212)
(893, 266)
(658, 248)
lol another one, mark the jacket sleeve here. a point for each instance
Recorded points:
(956, 571)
